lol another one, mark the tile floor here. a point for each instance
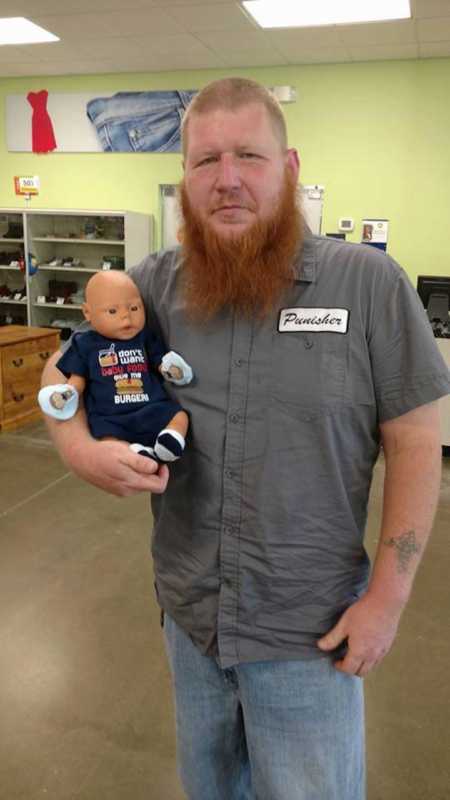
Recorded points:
(85, 699)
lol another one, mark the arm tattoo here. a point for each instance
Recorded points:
(406, 546)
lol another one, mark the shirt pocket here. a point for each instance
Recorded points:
(309, 373)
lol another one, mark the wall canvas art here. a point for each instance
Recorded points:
(123, 122)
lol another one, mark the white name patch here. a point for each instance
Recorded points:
(332, 320)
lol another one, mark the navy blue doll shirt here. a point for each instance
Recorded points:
(124, 395)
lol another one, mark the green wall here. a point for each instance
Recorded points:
(376, 135)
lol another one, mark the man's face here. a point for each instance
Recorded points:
(235, 168)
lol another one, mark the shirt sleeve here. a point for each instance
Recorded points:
(408, 369)
(73, 361)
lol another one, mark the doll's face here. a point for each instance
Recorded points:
(114, 306)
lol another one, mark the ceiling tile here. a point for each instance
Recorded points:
(323, 36)
(245, 58)
(218, 17)
(234, 40)
(74, 26)
(431, 8)
(401, 31)
(384, 52)
(328, 55)
(434, 50)
(433, 30)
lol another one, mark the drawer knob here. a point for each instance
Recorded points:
(17, 362)
(18, 397)
(45, 355)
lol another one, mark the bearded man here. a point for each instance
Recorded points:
(308, 354)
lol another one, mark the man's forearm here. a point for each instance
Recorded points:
(411, 490)
(69, 436)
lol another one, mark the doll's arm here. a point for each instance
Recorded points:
(61, 400)
(175, 369)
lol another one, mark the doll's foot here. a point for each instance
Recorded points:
(169, 445)
(59, 401)
(141, 450)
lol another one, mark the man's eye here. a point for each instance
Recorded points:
(248, 155)
(207, 160)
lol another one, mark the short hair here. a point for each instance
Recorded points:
(231, 94)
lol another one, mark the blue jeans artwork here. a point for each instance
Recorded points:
(268, 730)
(140, 122)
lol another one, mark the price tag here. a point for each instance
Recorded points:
(26, 184)
(106, 265)
(60, 301)
(40, 298)
(18, 296)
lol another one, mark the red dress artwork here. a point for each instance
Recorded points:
(42, 136)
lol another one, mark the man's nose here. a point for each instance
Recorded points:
(228, 175)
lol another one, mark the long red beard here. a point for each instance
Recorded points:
(246, 272)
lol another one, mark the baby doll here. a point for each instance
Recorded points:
(111, 366)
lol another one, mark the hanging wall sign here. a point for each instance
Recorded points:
(26, 184)
(375, 232)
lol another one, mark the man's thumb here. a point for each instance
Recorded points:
(333, 638)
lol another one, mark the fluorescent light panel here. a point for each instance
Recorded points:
(307, 14)
(18, 30)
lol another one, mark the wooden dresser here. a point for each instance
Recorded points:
(23, 353)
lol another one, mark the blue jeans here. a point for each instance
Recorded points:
(269, 730)
(139, 122)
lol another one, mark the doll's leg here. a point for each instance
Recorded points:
(170, 442)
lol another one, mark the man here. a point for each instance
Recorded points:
(308, 353)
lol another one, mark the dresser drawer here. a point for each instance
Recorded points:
(27, 358)
(17, 401)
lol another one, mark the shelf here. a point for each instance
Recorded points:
(49, 268)
(78, 241)
(3, 239)
(14, 302)
(7, 266)
(58, 305)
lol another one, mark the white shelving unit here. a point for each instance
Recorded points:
(13, 295)
(67, 247)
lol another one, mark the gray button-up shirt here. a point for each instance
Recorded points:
(258, 540)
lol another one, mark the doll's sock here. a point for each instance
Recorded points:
(169, 445)
(141, 450)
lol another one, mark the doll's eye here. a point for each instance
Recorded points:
(112, 311)
(134, 308)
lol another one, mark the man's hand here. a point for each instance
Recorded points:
(113, 467)
(369, 628)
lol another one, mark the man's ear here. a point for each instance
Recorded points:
(86, 311)
(293, 162)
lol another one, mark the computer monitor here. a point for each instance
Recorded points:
(434, 291)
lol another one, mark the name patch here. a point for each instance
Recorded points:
(331, 320)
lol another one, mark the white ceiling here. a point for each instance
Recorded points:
(99, 36)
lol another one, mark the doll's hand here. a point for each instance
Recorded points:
(175, 369)
(59, 401)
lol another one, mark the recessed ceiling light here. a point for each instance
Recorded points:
(18, 30)
(288, 14)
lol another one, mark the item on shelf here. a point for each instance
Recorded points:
(55, 262)
(78, 297)
(112, 262)
(89, 229)
(67, 261)
(15, 231)
(32, 264)
(65, 326)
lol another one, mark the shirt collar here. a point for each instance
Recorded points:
(305, 265)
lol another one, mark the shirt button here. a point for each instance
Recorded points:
(234, 418)
(238, 362)
(229, 473)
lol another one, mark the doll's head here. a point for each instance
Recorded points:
(113, 305)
